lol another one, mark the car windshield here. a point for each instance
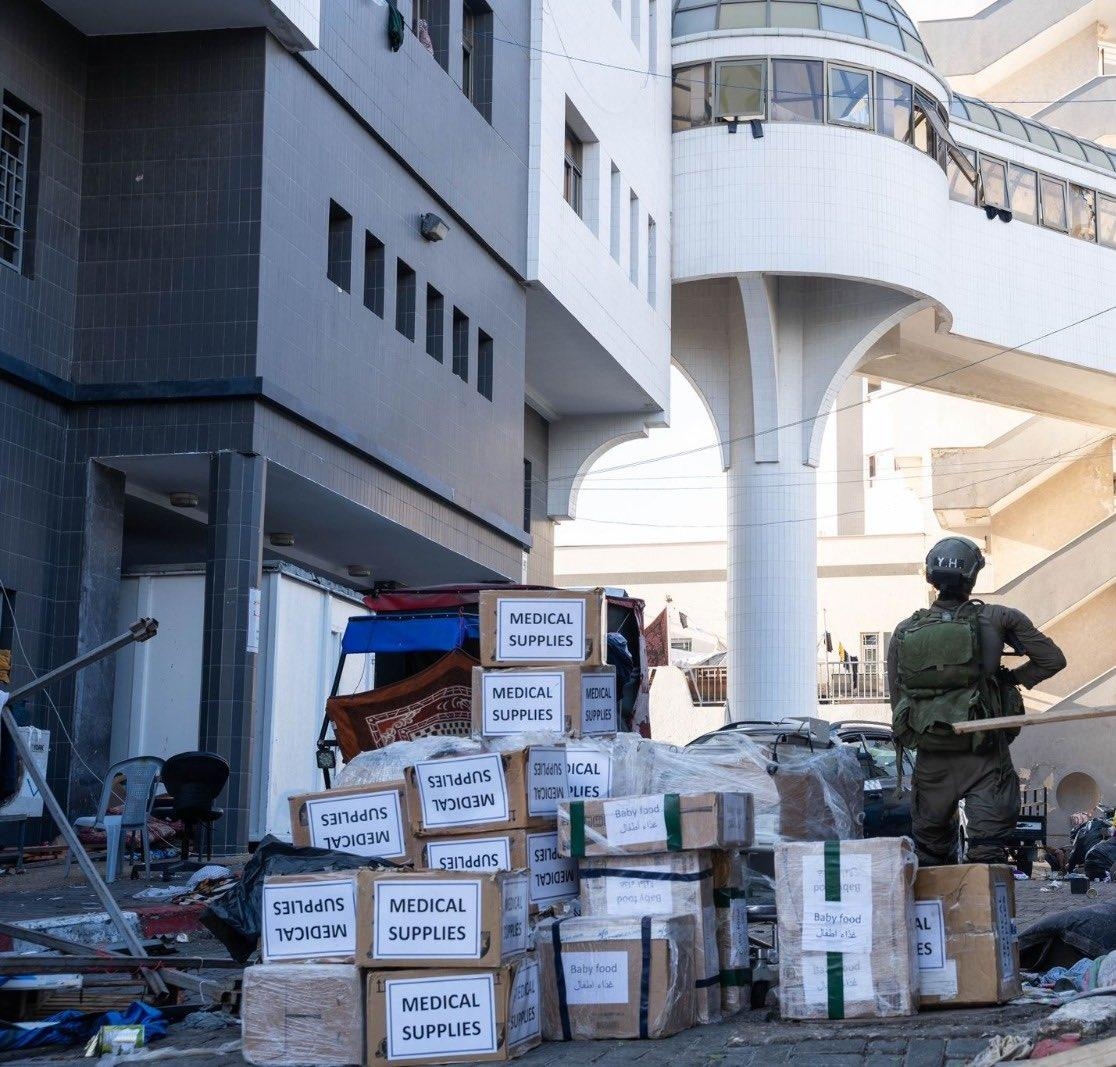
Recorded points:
(879, 757)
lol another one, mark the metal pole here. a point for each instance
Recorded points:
(140, 631)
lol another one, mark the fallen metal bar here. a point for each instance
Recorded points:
(40, 963)
(1046, 718)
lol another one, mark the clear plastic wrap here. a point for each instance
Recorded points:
(730, 901)
(671, 883)
(608, 978)
(303, 1013)
(800, 793)
(846, 916)
(388, 764)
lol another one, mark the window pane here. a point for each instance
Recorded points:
(1083, 213)
(797, 93)
(1069, 146)
(744, 16)
(878, 8)
(740, 90)
(894, 104)
(795, 16)
(694, 21)
(1097, 157)
(837, 20)
(1012, 126)
(884, 32)
(692, 103)
(1040, 135)
(960, 188)
(1023, 192)
(993, 173)
(1106, 221)
(982, 115)
(1053, 195)
(850, 99)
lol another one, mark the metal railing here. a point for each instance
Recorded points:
(708, 685)
(848, 683)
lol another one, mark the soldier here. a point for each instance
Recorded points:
(943, 666)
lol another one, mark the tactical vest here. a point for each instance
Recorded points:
(941, 680)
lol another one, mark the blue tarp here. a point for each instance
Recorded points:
(73, 1027)
(409, 633)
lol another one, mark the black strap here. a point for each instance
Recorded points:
(705, 983)
(560, 980)
(644, 977)
(645, 876)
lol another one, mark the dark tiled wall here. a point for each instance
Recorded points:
(536, 448)
(42, 62)
(171, 202)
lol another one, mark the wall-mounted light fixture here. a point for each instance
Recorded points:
(184, 500)
(356, 570)
(281, 540)
(433, 227)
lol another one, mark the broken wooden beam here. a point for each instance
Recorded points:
(1046, 718)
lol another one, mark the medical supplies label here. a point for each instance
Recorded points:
(514, 702)
(529, 631)
(472, 854)
(462, 790)
(843, 925)
(929, 934)
(553, 877)
(524, 1016)
(431, 1018)
(598, 703)
(1005, 930)
(565, 772)
(635, 821)
(516, 905)
(365, 824)
(309, 920)
(596, 977)
(419, 919)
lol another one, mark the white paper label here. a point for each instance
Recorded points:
(565, 772)
(929, 934)
(252, 641)
(534, 631)
(596, 977)
(462, 790)
(516, 906)
(1005, 931)
(415, 920)
(837, 926)
(524, 1016)
(368, 824)
(471, 854)
(598, 703)
(628, 895)
(515, 702)
(738, 934)
(553, 877)
(309, 920)
(736, 818)
(941, 982)
(857, 983)
(635, 821)
(432, 1018)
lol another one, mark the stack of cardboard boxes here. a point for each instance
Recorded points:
(644, 959)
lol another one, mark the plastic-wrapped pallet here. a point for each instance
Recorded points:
(389, 763)
(846, 913)
(730, 893)
(678, 883)
(294, 1013)
(616, 978)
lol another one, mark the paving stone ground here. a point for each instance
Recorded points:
(753, 1039)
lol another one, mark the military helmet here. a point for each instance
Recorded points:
(954, 563)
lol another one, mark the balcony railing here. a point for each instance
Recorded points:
(708, 685)
(848, 683)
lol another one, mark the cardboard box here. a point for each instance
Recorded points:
(603, 978)
(527, 700)
(364, 820)
(671, 883)
(821, 799)
(453, 1016)
(467, 794)
(303, 1014)
(600, 702)
(553, 877)
(566, 770)
(439, 919)
(730, 900)
(968, 953)
(309, 917)
(660, 822)
(526, 627)
(846, 912)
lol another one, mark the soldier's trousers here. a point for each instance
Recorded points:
(990, 788)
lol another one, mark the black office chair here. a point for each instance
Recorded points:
(194, 780)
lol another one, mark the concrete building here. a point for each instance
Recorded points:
(277, 288)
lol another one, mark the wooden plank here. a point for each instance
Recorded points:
(44, 964)
(1046, 718)
(1098, 1054)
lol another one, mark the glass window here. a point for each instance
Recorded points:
(743, 16)
(1052, 196)
(1040, 135)
(1106, 220)
(993, 174)
(840, 20)
(741, 89)
(960, 188)
(850, 97)
(794, 15)
(958, 108)
(879, 9)
(923, 133)
(884, 32)
(692, 97)
(15, 155)
(1097, 157)
(982, 115)
(1012, 126)
(1069, 146)
(697, 21)
(1023, 194)
(798, 91)
(572, 179)
(894, 108)
(1082, 213)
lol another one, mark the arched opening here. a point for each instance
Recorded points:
(1077, 791)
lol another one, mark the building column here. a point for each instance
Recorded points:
(233, 568)
(98, 595)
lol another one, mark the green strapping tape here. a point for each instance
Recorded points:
(834, 961)
(577, 828)
(736, 978)
(672, 812)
